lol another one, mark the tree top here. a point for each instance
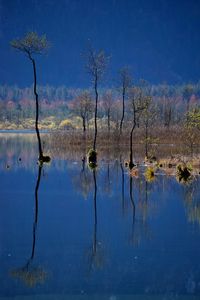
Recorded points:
(31, 43)
(96, 62)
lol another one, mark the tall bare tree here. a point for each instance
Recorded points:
(137, 106)
(168, 105)
(187, 93)
(149, 114)
(125, 81)
(96, 63)
(32, 44)
(83, 105)
(107, 105)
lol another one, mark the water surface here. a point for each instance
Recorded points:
(68, 232)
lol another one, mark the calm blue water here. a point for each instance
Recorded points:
(67, 232)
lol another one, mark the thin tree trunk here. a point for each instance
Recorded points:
(170, 116)
(131, 164)
(123, 109)
(95, 116)
(84, 124)
(187, 110)
(146, 137)
(122, 188)
(37, 109)
(108, 120)
(87, 122)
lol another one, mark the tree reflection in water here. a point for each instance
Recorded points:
(139, 227)
(96, 258)
(82, 181)
(146, 209)
(30, 274)
(122, 188)
(107, 187)
(133, 207)
(192, 200)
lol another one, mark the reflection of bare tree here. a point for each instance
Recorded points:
(133, 207)
(192, 201)
(140, 226)
(96, 259)
(107, 182)
(95, 213)
(122, 188)
(144, 207)
(144, 203)
(30, 274)
(83, 180)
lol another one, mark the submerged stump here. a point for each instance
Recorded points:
(92, 158)
(44, 159)
(183, 173)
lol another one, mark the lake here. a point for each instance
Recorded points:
(68, 232)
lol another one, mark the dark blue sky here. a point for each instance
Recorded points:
(159, 39)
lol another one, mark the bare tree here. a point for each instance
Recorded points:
(137, 106)
(107, 105)
(31, 45)
(82, 105)
(95, 65)
(187, 93)
(168, 105)
(148, 116)
(125, 79)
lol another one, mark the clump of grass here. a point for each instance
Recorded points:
(150, 174)
(183, 173)
(151, 159)
(131, 165)
(44, 159)
(92, 165)
(92, 158)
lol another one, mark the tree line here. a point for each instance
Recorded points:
(170, 103)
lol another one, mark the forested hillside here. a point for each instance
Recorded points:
(62, 107)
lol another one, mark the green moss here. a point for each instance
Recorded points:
(92, 165)
(92, 156)
(92, 159)
(150, 174)
(44, 159)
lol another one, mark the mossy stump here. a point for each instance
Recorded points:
(183, 173)
(92, 158)
(131, 165)
(44, 159)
